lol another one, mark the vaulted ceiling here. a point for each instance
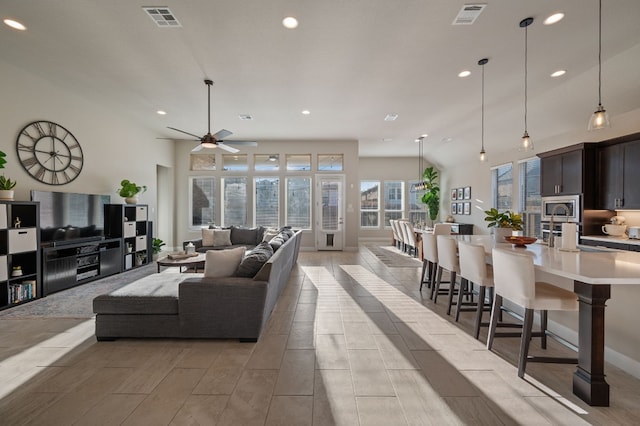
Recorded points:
(349, 62)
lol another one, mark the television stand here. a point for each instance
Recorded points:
(69, 265)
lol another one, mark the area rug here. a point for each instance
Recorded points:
(394, 258)
(76, 302)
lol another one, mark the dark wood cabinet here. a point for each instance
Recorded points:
(619, 176)
(569, 171)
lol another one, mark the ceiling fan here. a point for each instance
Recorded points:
(216, 140)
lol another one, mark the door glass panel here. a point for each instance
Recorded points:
(330, 198)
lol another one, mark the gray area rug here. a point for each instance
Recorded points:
(76, 302)
(394, 258)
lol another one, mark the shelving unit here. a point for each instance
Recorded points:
(129, 222)
(19, 251)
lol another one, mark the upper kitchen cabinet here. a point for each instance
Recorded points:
(569, 171)
(619, 175)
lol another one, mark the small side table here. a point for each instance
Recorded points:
(194, 262)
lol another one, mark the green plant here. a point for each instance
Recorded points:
(431, 196)
(130, 189)
(2, 160)
(6, 184)
(157, 244)
(505, 219)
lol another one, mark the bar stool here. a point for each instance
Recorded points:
(474, 270)
(430, 254)
(447, 260)
(514, 280)
(394, 229)
(412, 248)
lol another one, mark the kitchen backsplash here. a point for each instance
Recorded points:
(632, 216)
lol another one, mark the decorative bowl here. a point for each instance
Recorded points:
(520, 241)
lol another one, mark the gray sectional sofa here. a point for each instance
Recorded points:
(187, 305)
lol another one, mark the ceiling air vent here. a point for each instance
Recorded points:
(245, 117)
(391, 117)
(162, 16)
(469, 13)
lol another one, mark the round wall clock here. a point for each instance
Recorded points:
(49, 152)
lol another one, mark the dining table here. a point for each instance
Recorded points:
(593, 271)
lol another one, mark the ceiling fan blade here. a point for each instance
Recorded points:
(186, 133)
(198, 148)
(222, 134)
(227, 148)
(240, 143)
(174, 139)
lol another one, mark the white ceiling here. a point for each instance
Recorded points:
(350, 62)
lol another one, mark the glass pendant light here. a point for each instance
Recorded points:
(527, 143)
(600, 118)
(483, 154)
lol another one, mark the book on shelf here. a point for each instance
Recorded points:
(25, 290)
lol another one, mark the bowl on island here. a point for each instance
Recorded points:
(520, 241)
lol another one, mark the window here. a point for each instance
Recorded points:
(234, 200)
(203, 161)
(202, 192)
(417, 209)
(330, 162)
(235, 162)
(502, 187)
(529, 203)
(369, 205)
(267, 201)
(298, 210)
(298, 162)
(393, 201)
(264, 162)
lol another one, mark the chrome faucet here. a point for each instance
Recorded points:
(553, 212)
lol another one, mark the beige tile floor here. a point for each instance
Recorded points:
(350, 342)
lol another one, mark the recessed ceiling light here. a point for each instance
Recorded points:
(290, 22)
(424, 135)
(305, 112)
(556, 17)
(161, 112)
(558, 73)
(391, 117)
(464, 73)
(14, 24)
(387, 140)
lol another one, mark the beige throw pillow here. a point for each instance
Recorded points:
(222, 263)
(221, 237)
(207, 237)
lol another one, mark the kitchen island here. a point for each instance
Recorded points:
(593, 273)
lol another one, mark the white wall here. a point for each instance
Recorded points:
(114, 147)
(348, 148)
(622, 316)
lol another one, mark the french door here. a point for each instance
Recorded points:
(329, 212)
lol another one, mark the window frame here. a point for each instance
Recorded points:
(370, 210)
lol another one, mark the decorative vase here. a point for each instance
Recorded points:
(500, 233)
(6, 194)
(131, 200)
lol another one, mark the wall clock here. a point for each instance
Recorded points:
(49, 153)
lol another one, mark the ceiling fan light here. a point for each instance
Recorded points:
(599, 119)
(208, 145)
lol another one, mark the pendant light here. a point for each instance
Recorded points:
(600, 118)
(527, 143)
(483, 154)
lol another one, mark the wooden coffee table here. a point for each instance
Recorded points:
(194, 262)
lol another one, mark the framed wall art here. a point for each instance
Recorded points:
(467, 193)
(461, 193)
(467, 208)
(454, 208)
(460, 208)
(454, 194)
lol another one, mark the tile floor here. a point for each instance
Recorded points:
(350, 342)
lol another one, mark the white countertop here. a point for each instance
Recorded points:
(607, 238)
(592, 267)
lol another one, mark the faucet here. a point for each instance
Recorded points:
(553, 212)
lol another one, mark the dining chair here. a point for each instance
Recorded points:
(430, 254)
(400, 231)
(514, 280)
(474, 270)
(394, 229)
(412, 248)
(447, 261)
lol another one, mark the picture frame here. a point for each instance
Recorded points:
(467, 193)
(461, 207)
(454, 194)
(454, 208)
(467, 208)
(461, 193)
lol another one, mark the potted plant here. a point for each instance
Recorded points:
(130, 190)
(503, 223)
(156, 245)
(431, 195)
(6, 184)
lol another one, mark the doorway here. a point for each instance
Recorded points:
(329, 212)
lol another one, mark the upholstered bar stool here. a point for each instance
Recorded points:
(514, 280)
(394, 229)
(447, 261)
(412, 248)
(474, 270)
(430, 254)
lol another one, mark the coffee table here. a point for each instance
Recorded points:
(194, 262)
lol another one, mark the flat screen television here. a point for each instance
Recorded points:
(67, 217)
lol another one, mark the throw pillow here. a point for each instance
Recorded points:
(222, 263)
(269, 233)
(207, 237)
(276, 242)
(244, 235)
(221, 237)
(254, 260)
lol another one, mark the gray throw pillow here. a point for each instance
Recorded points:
(276, 242)
(244, 235)
(254, 260)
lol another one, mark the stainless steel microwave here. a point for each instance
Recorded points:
(561, 207)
